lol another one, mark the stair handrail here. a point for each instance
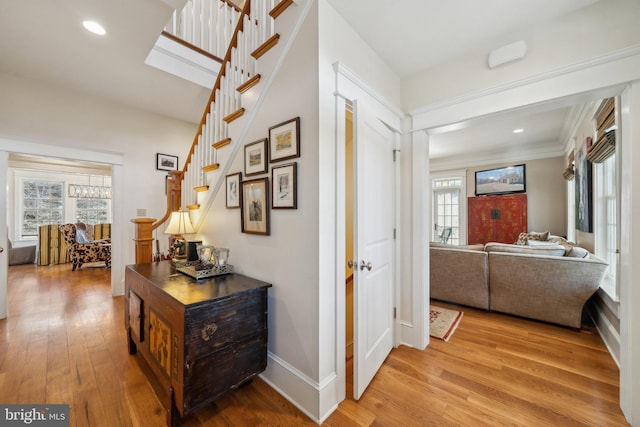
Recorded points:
(174, 180)
(198, 26)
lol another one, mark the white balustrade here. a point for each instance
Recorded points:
(257, 28)
(206, 24)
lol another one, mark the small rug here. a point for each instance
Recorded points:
(443, 322)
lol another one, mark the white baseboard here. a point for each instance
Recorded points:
(315, 400)
(607, 332)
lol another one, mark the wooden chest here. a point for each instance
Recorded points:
(198, 339)
(496, 218)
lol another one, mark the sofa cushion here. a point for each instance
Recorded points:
(578, 252)
(532, 235)
(542, 243)
(476, 247)
(555, 250)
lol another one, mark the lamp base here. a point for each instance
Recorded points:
(192, 252)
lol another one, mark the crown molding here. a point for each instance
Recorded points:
(561, 71)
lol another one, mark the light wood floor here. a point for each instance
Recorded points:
(64, 342)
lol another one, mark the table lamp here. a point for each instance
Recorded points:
(179, 224)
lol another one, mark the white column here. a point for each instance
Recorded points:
(630, 255)
(4, 256)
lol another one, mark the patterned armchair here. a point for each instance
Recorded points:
(80, 253)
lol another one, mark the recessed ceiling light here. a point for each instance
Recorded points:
(94, 27)
(518, 130)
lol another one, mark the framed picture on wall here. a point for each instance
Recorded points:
(166, 162)
(284, 140)
(284, 187)
(255, 158)
(584, 181)
(233, 190)
(255, 209)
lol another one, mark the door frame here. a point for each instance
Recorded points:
(116, 160)
(350, 88)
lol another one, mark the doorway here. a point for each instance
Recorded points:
(9, 147)
(369, 192)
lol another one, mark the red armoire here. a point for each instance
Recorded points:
(497, 218)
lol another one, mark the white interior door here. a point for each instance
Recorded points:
(4, 255)
(374, 246)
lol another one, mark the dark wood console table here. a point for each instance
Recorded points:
(197, 339)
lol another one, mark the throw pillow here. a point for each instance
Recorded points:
(523, 249)
(532, 235)
(578, 252)
(81, 236)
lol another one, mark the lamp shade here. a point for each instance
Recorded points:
(179, 223)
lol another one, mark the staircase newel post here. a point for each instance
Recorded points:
(174, 190)
(143, 240)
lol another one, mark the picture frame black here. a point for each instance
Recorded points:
(233, 194)
(284, 183)
(166, 162)
(284, 140)
(254, 212)
(255, 157)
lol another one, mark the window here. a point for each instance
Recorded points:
(448, 205)
(606, 222)
(42, 203)
(92, 211)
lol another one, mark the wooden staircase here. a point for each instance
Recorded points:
(214, 143)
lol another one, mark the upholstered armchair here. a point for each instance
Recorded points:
(80, 253)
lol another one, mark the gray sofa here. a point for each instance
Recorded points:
(22, 255)
(537, 282)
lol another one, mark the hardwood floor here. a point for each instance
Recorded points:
(64, 342)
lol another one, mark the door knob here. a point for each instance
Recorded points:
(1, 250)
(368, 265)
(350, 263)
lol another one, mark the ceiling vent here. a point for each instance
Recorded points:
(507, 54)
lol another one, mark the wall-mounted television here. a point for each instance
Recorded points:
(505, 180)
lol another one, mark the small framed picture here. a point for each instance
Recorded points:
(255, 158)
(233, 190)
(284, 194)
(255, 209)
(165, 162)
(284, 140)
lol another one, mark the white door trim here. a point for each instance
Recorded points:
(68, 153)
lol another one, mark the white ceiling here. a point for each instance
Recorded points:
(414, 35)
(44, 40)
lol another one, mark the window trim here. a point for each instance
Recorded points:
(22, 177)
(452, 174)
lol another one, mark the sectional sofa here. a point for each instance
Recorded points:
(549, 282)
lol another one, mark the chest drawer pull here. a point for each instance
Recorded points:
(208, 331)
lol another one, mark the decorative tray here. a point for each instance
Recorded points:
(216, 270)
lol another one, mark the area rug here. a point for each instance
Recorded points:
(443, 322)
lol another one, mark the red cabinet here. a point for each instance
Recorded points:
(497, 218)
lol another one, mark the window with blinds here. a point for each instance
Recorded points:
(605, 144)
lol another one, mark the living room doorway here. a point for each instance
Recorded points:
(546, 93)
(9, 147)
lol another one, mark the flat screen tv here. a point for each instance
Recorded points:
(505, 180)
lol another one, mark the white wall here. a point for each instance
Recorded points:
(33, 112)
(340, 43)
(605, 26)
(288, 257)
